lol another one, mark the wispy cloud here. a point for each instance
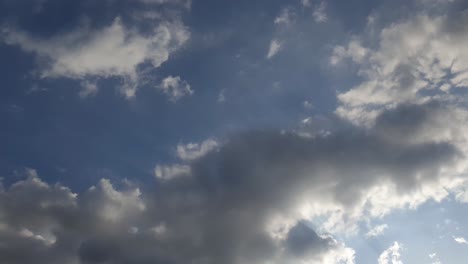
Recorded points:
(319, 13)
(175, 88)
(377, 231)
(275, 47)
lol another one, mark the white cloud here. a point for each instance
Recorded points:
(305, 3)
(175, 88)
(192, 151)
(416, 60)
(391, 255)
(113, 51)
(274, 48)
(419, 63)
(169, 172)
(355, 51)
(319, 13)
(460, 240)
(285, 17)
(377, 231)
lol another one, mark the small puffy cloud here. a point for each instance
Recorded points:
(275, 47)
(113, 51)
(319, 13)
(391, 255)
(460, 240)
(377, 231)
(354, 50)
(305, 3)
(169, 172)
(175, 88)
(192, 151)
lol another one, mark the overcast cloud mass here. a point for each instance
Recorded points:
(234, 132)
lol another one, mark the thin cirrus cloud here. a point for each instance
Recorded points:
(377, 231)
(319, 14)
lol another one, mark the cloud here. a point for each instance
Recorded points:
(416, 60)
(186, 3)
(175, 88)
(88, 89)
(434, 258)
(307, 104)
(391, 255)
(305, 3)
(252, 199)
(168, 172)
(106, 225)
(193, 151)
(319, 13)
(275, 47)
(377, 231)
(411, 79)
(113, 51)
(354, 50)
(460, 240)
(285, 18)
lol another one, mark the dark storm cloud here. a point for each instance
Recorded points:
(240, 204)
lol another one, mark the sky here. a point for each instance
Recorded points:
(234, 132)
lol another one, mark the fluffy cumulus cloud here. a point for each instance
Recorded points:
(391, 255)
(416, 74)
(115, 50)
(415, 60)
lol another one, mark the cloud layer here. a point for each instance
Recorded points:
(253, 199)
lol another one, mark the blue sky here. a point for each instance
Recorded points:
(203, 131)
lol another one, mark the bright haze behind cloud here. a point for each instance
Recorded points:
(234, 132)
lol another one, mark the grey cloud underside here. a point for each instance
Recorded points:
(242, 203)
